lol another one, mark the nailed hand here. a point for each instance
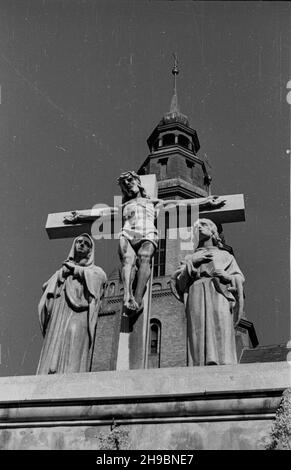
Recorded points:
(72, 219)
(213, 202)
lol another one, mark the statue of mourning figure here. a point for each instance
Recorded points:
(68, 311)
(138, 239)
(210, 284)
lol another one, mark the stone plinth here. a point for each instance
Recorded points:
(215, 407)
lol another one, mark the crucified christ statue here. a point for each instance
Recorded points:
(138, 239)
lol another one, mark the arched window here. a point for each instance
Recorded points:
(157, 286)
(154, 338)
(168, 139)
(154, 344)
(111, 289)
(183, 141)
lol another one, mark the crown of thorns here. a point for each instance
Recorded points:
(125, 175)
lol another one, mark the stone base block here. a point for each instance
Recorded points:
(214, 407)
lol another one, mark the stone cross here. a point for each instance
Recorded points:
(134, 333)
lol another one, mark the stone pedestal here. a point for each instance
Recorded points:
(215, 407)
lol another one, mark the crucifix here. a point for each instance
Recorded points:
(138, 239)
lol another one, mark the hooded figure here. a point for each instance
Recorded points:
(68, 311)
(210, 284)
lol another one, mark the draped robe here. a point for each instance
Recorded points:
(211, 308)
(68, 313)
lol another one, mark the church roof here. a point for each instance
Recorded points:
(174, 115)
(272, 353)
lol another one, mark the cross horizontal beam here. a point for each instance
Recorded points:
(232, 211)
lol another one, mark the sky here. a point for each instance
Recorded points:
(83, 84)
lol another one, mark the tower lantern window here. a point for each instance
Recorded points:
(184, 141)
(168, 139)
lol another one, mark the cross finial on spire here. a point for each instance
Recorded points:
(174, 103)
(174, 115)
(175, 71)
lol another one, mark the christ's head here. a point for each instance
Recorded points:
(131, 186)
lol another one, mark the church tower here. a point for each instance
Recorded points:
(181, 174)
(173, 146)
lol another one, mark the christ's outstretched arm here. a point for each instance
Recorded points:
(204, 203)
(89, 216)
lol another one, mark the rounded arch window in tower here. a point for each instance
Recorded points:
(168, 139)
(154, 344)
(183, 141)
